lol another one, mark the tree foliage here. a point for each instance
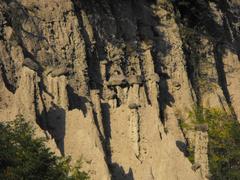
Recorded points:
(23, 156)
(224, 142)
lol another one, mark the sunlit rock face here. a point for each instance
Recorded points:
(109, 81)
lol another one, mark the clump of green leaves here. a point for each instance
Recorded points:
(224, 142)
(191, 154)
(23, 156)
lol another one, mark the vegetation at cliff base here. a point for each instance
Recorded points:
(224, 142)
(23, 156)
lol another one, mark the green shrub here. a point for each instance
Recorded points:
(23, 156)
(224, 142)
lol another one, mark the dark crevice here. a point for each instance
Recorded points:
(8, 85)
(145, 85)
(76, 101)
(220, 70)
(56, 124)
(107, 132)
(41, 117)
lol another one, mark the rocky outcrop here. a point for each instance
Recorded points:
(231, 68)
(201, 151)
(109, 81)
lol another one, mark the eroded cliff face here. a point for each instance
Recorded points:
(109, 80)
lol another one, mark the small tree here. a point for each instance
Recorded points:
(224, 142)
(23, 156)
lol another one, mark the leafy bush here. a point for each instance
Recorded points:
(23, 156)
(224, 142)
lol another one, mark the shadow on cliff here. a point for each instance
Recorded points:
(182, 146)
(76, 101)
(165, 98)
(118, 173)
(107, 131)
(54, 122)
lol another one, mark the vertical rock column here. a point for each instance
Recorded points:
(201, 150)
(154, 89)
(175, 87)
(150, 74)
(171, 57)
(133, 94)
(56, 109)
(103, 70)
(116, 80)
(211, 94)
(108, 95)
(134, 129)
(26, 94)
(232, 69)
(134, 118)
(57, 88)
(28, 102)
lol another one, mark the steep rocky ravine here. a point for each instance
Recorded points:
(109, 80)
